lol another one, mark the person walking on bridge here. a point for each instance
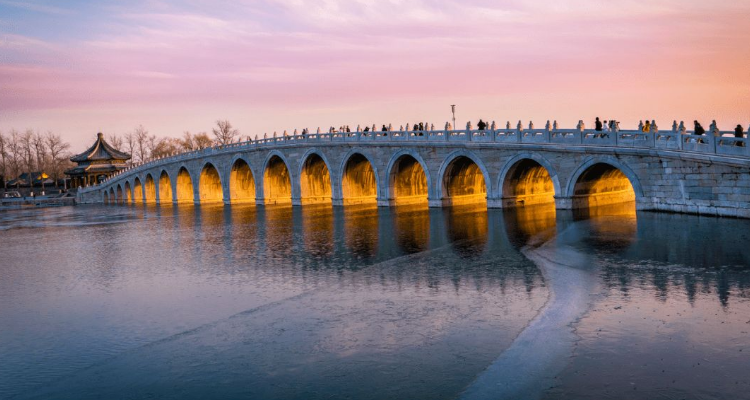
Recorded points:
(739, 134)
(481, 125)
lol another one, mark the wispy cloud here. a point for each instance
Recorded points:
(36, 7)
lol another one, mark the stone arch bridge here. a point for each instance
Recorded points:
(575, 168)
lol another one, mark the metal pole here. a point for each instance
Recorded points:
(453, 110)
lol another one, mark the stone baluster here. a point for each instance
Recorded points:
(555, 126)
(681, 128)
(531, 125)
(318, 132)
(274, 133)
(654, 128)
(640, 126)
(493, 126)
(519, 126)
(374, 128)
(359, 128)
(295, 132)
(674, 126)
(468, 126)
(390, 127)
(548, 126)
(432, 127)
(507, 125)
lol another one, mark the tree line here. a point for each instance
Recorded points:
(31, 151)
(143, 146)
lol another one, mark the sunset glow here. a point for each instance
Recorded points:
(80, 67)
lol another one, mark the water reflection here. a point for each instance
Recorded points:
(317, 231)
(467, 229)
(361, 224)
(411, 227)
(524, 223)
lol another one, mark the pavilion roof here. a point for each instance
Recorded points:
(100, 151)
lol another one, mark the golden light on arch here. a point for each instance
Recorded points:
(241, 183)
(277, 184)
(358, 182)
(165, 188)
(463, 183)
(315, 181)
(408, 181)
(210, 185)
(128, 197)
(118, 199)
(528, 183)
(137, 191)
(184, 186)
(150, 189)
(601, 185)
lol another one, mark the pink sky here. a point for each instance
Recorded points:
(269, 65)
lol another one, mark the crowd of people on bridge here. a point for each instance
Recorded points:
(602, 127)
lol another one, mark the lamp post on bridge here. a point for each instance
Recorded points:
(453, 110)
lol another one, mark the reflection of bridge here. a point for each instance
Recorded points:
(665, 170)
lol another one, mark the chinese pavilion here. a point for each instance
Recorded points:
(97, 163)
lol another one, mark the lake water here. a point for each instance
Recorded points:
(314, 302)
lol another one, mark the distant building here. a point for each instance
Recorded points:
(97, 163)
(37, 179)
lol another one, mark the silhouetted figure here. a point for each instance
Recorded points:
(598, 125)
(739, 133)
(699, 130)
(385, 128)
(481, 125)
(367, 129)
(421, 127)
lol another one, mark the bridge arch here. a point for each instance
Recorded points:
(149, 189)
(210, 189)
(112, 198)
(463, 179)
(118, 199)
(184, 192)
(360, 182)
(408, 178)
(128, 196)
(315, 181)
(277, 180)
(528, 179)
(241, 181)
(603, 181)
(137, 190)
(165, 188)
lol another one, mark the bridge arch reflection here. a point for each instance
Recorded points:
(137, 190)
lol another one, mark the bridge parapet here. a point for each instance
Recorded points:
(725, 144)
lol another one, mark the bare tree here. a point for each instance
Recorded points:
(187, 143)
(27, 149)
(141, 140)
(15, 153)
(224, 132)
(57, 149)
(166, 147)
(202, 141)
(115, 140)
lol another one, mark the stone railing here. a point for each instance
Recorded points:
(725, 144)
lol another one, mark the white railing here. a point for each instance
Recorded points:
(725, 144)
